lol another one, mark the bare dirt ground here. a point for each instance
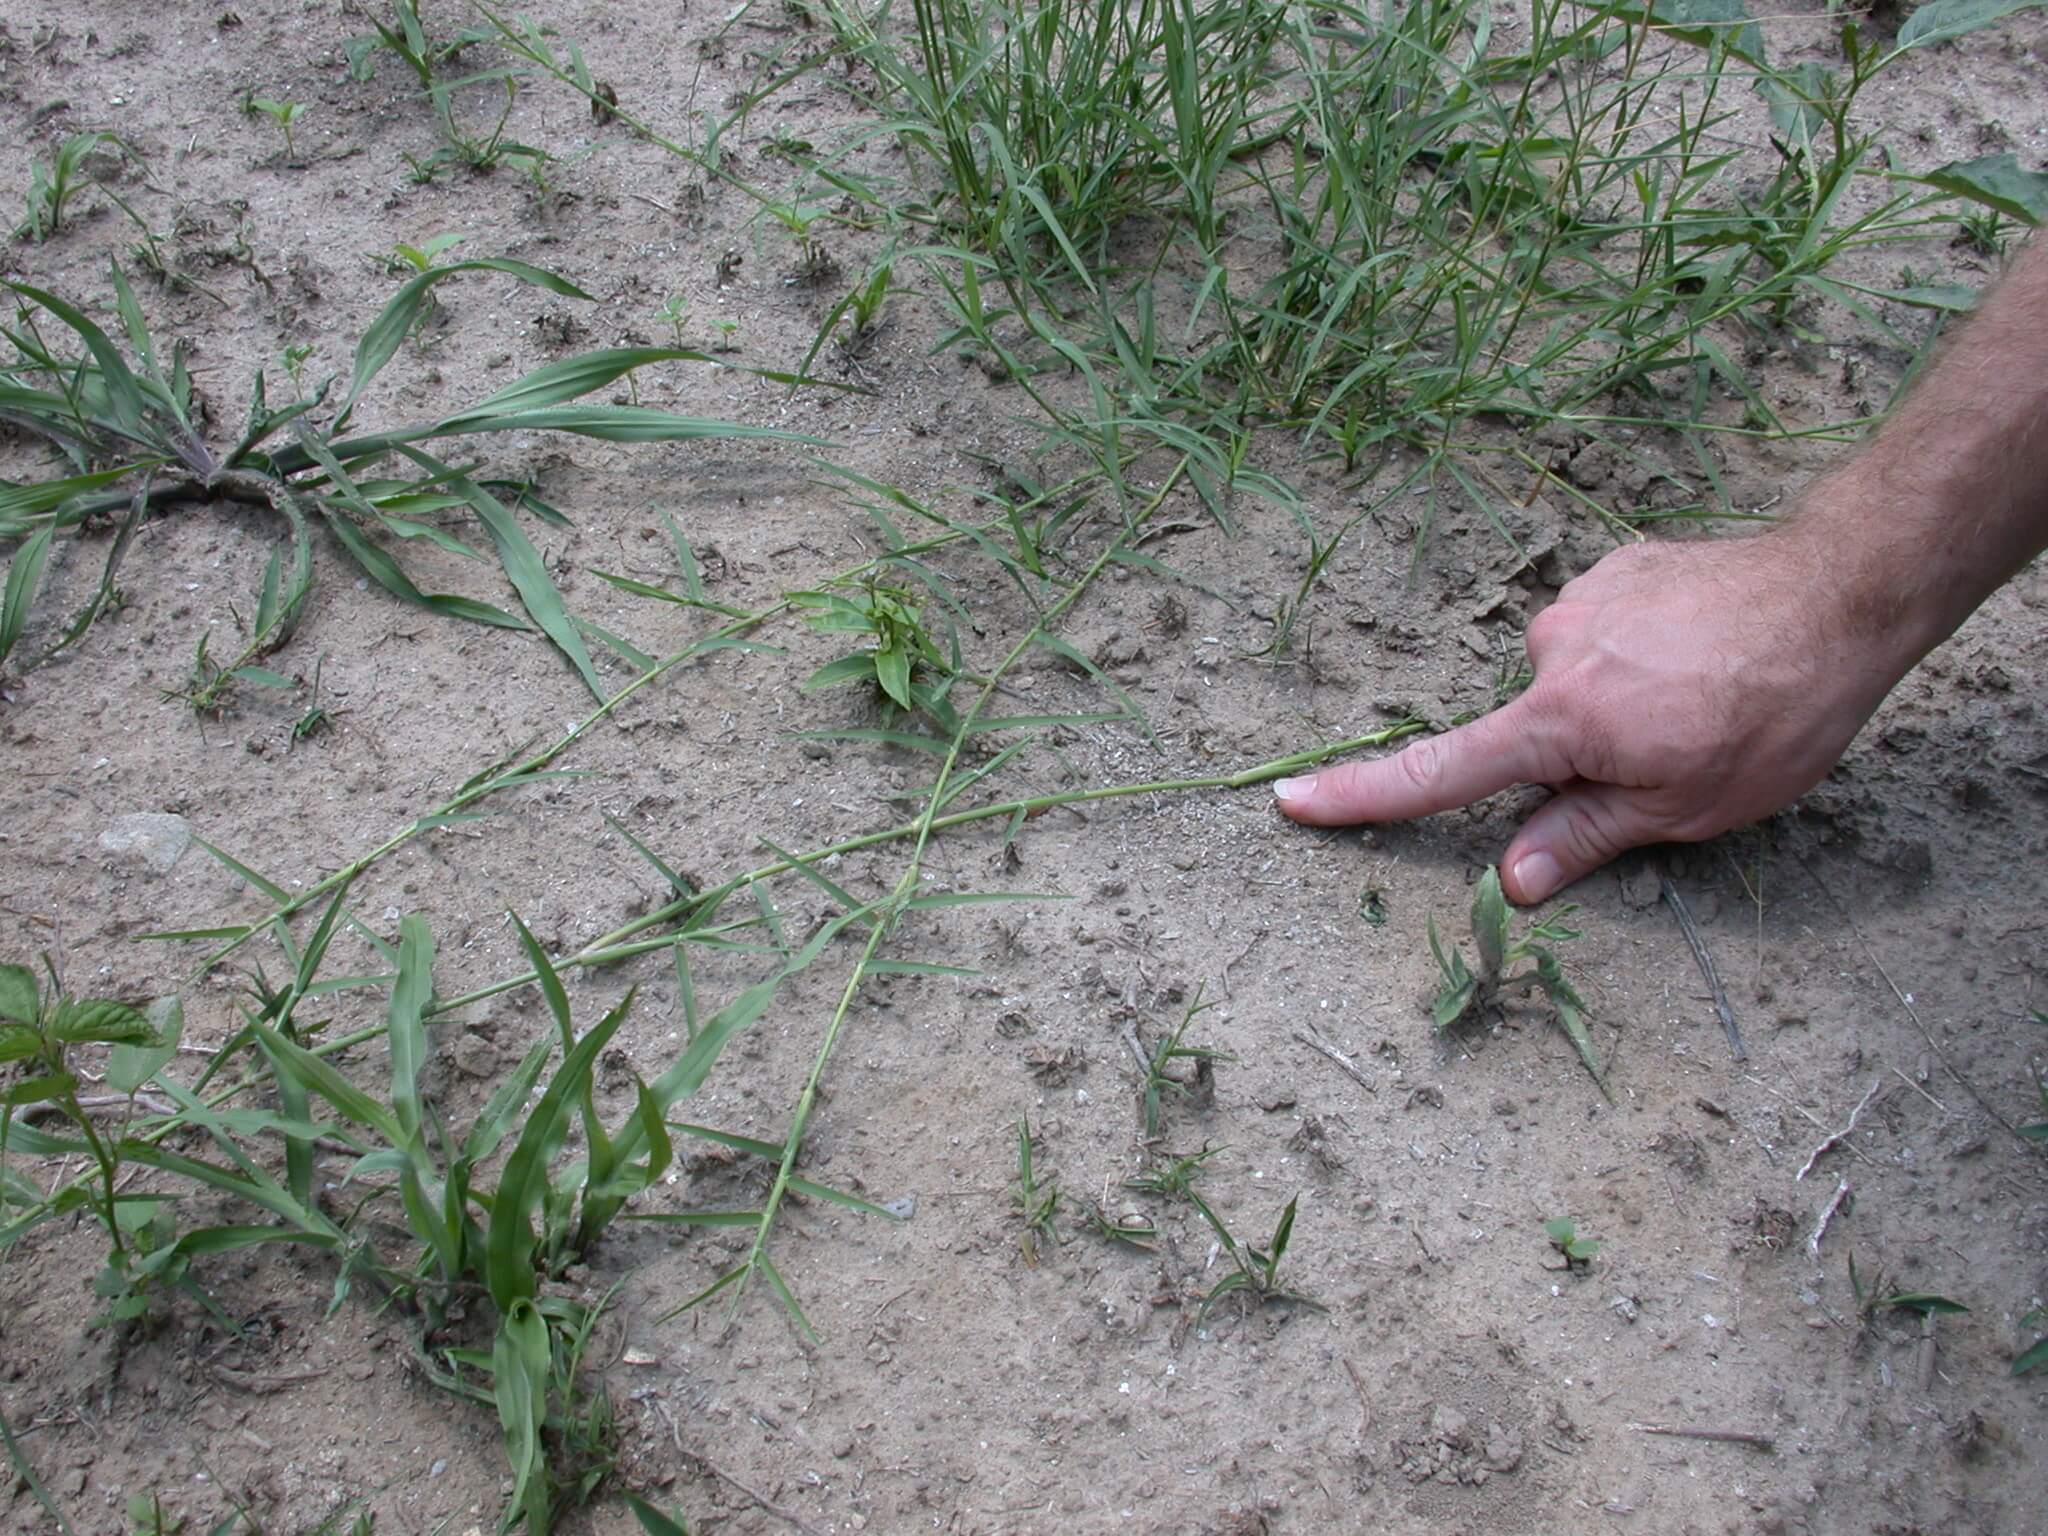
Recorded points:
(1879, 943)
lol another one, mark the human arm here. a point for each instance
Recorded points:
(1683, 689)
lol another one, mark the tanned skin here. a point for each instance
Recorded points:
(1684, 689)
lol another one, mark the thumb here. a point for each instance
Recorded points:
(1584, 827)
(1434, 773)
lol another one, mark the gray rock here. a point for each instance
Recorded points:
(150, 838)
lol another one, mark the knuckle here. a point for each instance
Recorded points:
(1423, 766)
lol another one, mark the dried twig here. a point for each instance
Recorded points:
(767, 1504)
(1309, 1037)
(1729, 1436)
(1836, 1138)
(1923, 1370)
(1706, 963)
(1827, 1214)
(1364, 1402)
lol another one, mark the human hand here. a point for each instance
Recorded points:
(1680, 690)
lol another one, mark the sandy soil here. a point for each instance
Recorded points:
(1880, 942)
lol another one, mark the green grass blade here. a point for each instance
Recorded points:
(24, 576)
(27, 1474)
(523, 565)
(411, 996)
(388, 331)
(508, 1253)
(383, 570)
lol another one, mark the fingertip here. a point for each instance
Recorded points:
(1534, 876)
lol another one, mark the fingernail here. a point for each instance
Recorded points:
(1537, 875)
(1294, 789)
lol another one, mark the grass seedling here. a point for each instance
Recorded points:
(2035, 1356)
(1159, 1080)
(54, 184)
(1037, 1199)
(1464, 990)
(405, 39)
(1883, 1295)
(1564, 1237)
(1256, 1276)
(282, 113)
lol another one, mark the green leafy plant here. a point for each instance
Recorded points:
(1160, 1081)
(674, 309)
(1256, 1273)
(1038, 1201)
(1564, 1237)
(282, 113)
(1464, 990)
(39, 1032)
(405, 38)
(899, 647)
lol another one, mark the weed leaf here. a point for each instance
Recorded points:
(1995, 181)
(388, 331)
(18, 1000)
(24, 575)
(1944, 20)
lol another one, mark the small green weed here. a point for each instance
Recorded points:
(1160, 1081)
(1256, 1275)
(405, 39)
(1465, 990)
(674, 310)
(39, 1031)
(900, 660)
(1883, 1295)
(1037, 1199)
(283, 113)
(1564, 1237)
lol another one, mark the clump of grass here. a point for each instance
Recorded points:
(40, 1032)
(129, 441)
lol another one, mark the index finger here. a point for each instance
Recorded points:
(1436, 773)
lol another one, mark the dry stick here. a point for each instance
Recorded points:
(2038, 1149)
(1827, 1214)
(1836, 1138)
(766, 1503)
(1315, 1042)
(1706, 963)
(1364, 1402)
(1727, 1436)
